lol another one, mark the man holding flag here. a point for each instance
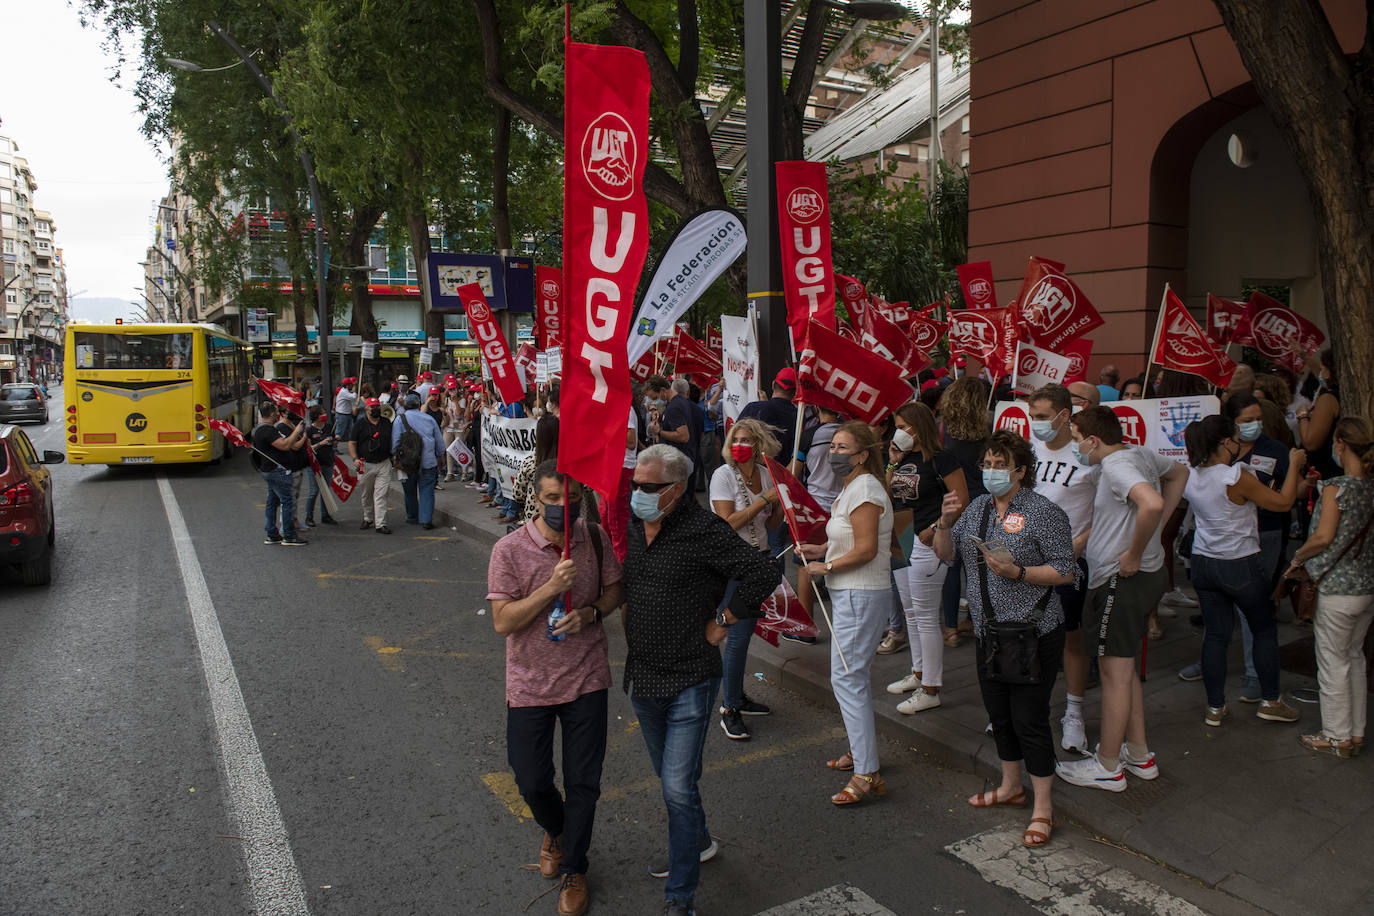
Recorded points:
(271, 450)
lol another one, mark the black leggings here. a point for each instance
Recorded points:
(1020, 713)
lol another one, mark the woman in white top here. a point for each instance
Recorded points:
(742, 493)
(859, 576)
(1228, 572)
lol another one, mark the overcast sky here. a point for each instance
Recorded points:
(96, 173)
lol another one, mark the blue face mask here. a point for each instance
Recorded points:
(559, 517)
(1249, 432)
(1080, 457)
(997, 481)
(1043, 430)
(645, 505)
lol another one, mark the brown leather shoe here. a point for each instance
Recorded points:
(572, 897)
(550, 857)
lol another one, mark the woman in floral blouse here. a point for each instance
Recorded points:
(1339, 554)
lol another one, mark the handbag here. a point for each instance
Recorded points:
(1011, 649)
(1302, 588)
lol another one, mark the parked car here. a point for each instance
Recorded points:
(23, 401)
(27, 533)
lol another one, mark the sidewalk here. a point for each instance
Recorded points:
(1243, 808)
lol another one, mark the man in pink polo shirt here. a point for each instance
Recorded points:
(556, 674)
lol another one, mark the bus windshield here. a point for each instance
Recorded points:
(133, 351)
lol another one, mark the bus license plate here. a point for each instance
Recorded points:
(137, 459)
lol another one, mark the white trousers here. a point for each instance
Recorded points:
(859, 616)
(1340, 626)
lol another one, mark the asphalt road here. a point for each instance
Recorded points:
(345, 752)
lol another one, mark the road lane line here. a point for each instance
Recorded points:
(502, 785)
(1062, 881)
(273, 878)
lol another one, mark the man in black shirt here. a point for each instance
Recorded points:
(681, 424)
(371, 454)
(687, 576)
(273, 455)
(322, 444)
(778, 412)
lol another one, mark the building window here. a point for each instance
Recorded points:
(964, 124)
(922, 152)
(9, 246)
(902, 149)
(963, 158)
(6, 196)
(6, 221)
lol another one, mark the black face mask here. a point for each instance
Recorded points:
(374, 413)
(559, 517)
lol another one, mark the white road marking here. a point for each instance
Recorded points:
(839, 900)
(273, 877)
(1063, 881)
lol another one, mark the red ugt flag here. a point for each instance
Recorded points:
(1274, 330)
(284, 396)
(1222, 317)
(808, 276)
(1054, 310)
(988, 335)
(492, 343)
(783, 613)
(1182, 346)
(548, 312)
(842, 375)
(975, 279)
(605, 239)
(231, 433)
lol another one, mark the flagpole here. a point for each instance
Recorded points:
(796, 545)
(1154, 343)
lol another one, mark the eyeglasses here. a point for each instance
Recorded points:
(650, 486)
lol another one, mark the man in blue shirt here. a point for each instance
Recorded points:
(681, 424)
(419, 486)
(778, 412)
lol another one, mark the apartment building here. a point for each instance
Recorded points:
(34, 276)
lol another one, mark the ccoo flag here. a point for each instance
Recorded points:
(605, 239)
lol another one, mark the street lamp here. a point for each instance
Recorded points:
(763, 144)
(188, 66)
(323, 321)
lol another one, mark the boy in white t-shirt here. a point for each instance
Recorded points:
(1137, 490)
(1071, 487)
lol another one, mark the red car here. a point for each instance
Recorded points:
(27, 534)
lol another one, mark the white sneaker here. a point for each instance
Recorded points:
(1144, 768)
(905, 685)
(1074, 737)
(1179, 598)
(918, 701)
(1166, 612)
(1091, 773)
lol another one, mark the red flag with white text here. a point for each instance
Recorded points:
(231, 433)
(1182, 346)
(284, 396)
(988, 335)
(1222, 317)
(852, 294)
(1277, 332)
(691, 356)
(1053, 310)
(605, 239)
(842, 375)
(805, 517)
(1079, 352)
(782, 614)
(505, 374)
(808, 276)
(891, 342)
(548, 306)
(340, 479)
(975, 279)
(526, 360)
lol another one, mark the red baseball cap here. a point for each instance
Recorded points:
(786, 379)
(374, 402)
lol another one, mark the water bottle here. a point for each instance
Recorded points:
(555, 618)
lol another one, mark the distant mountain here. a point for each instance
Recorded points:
(100, 309)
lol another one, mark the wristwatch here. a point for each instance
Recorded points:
(720, 618)
(596, 614)
(1021, 575)
(829, 565)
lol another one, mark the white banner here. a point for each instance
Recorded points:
(555, 355)
(426, 356)
(541, 367)
(506, 443)
(1156, 423)
(698, 254)
(434, 344)
(1036, 366)
(739, 363)
(369, 348)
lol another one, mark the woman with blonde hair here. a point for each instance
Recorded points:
(743, 493)
(859, 576)
(966, 424)
(1339, 555)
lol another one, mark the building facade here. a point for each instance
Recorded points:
(1124, 138)
(34, 276)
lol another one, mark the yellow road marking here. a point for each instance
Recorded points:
(644, 785)
(502, 785)
(391, 655)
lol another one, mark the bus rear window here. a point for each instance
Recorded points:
(133, 351)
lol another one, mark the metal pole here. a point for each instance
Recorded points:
(933, 160)
(763, 146)
(323, 322)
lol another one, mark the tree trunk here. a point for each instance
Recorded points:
(363, 322)
(1323, 105)
(295, 267)
(417, 225)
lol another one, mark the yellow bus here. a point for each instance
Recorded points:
(144, 393)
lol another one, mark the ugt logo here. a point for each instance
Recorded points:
(609, 156)
(136, 422)
(805, 204)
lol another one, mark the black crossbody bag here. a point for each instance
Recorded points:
(1011, 649)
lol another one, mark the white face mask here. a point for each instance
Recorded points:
(903, 440)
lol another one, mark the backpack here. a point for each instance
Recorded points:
(410, 448)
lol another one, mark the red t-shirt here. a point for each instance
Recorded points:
(539, 671)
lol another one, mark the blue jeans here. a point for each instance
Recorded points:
(674, 731)
(312, 493)
(419, 492)
(343, 426)
(951, 593)
(280, 496)
(733, 659)
(1224, 586)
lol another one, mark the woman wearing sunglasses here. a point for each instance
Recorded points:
(858, 575)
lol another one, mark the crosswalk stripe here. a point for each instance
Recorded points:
(1062, 881)
(838, 900)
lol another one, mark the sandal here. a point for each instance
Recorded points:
(1325, 744)
(989, 799)
(1156, 631)
(859, 785)
(1035, 838)
(1356, 745)
(844, 762)
(951, 638)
